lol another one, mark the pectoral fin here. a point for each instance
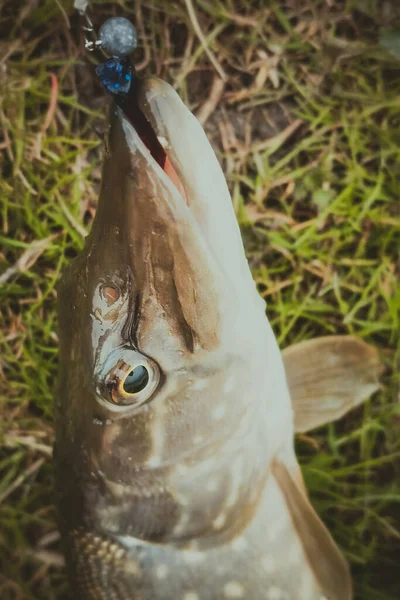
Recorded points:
(329, 376)
(329, 567)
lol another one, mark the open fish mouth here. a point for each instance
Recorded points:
(134, 109)
(177, 143)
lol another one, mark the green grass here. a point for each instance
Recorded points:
(318, 207)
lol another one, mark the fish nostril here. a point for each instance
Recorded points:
(110, 294)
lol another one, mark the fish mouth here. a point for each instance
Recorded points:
(165, 194)
(135, 113)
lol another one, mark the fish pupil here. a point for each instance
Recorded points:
(136, 380)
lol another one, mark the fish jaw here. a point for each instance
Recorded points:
(163, 280)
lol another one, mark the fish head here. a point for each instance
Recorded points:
(165, 349)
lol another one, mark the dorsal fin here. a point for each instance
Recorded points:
(328, 376)
(329, 567)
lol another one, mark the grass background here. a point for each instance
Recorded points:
(307, 126)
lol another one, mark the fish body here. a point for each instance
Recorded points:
(176, 472)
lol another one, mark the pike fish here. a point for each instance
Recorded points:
(176, 476)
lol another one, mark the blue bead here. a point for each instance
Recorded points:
(116, 75)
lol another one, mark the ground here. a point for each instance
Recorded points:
(307, 127)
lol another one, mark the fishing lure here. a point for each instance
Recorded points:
(118, 39)
(116, 75)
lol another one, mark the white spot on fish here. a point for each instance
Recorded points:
(276, 526)
(181, 469)
(307, 587)
(161, 571)
(190, 596)
(229, 385)
(274, 593)
(199, 384)
(233, 589)
(154, 461)
(294, 554)
(180, 527)
(219, 521)
(268, 564)
(198, 439)
(193, 557)
(212, 485)
(183, 500)
(185, 519)
(239, 544)
(218, 412)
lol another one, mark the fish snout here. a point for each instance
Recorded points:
(171, 205)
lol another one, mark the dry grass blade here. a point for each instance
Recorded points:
(216, 92)
(21, 479)
(47, 557)
(27, 258)
(200, 35)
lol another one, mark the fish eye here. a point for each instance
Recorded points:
(131, 378)
(136, 380)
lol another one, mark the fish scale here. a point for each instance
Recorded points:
(257, 564)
